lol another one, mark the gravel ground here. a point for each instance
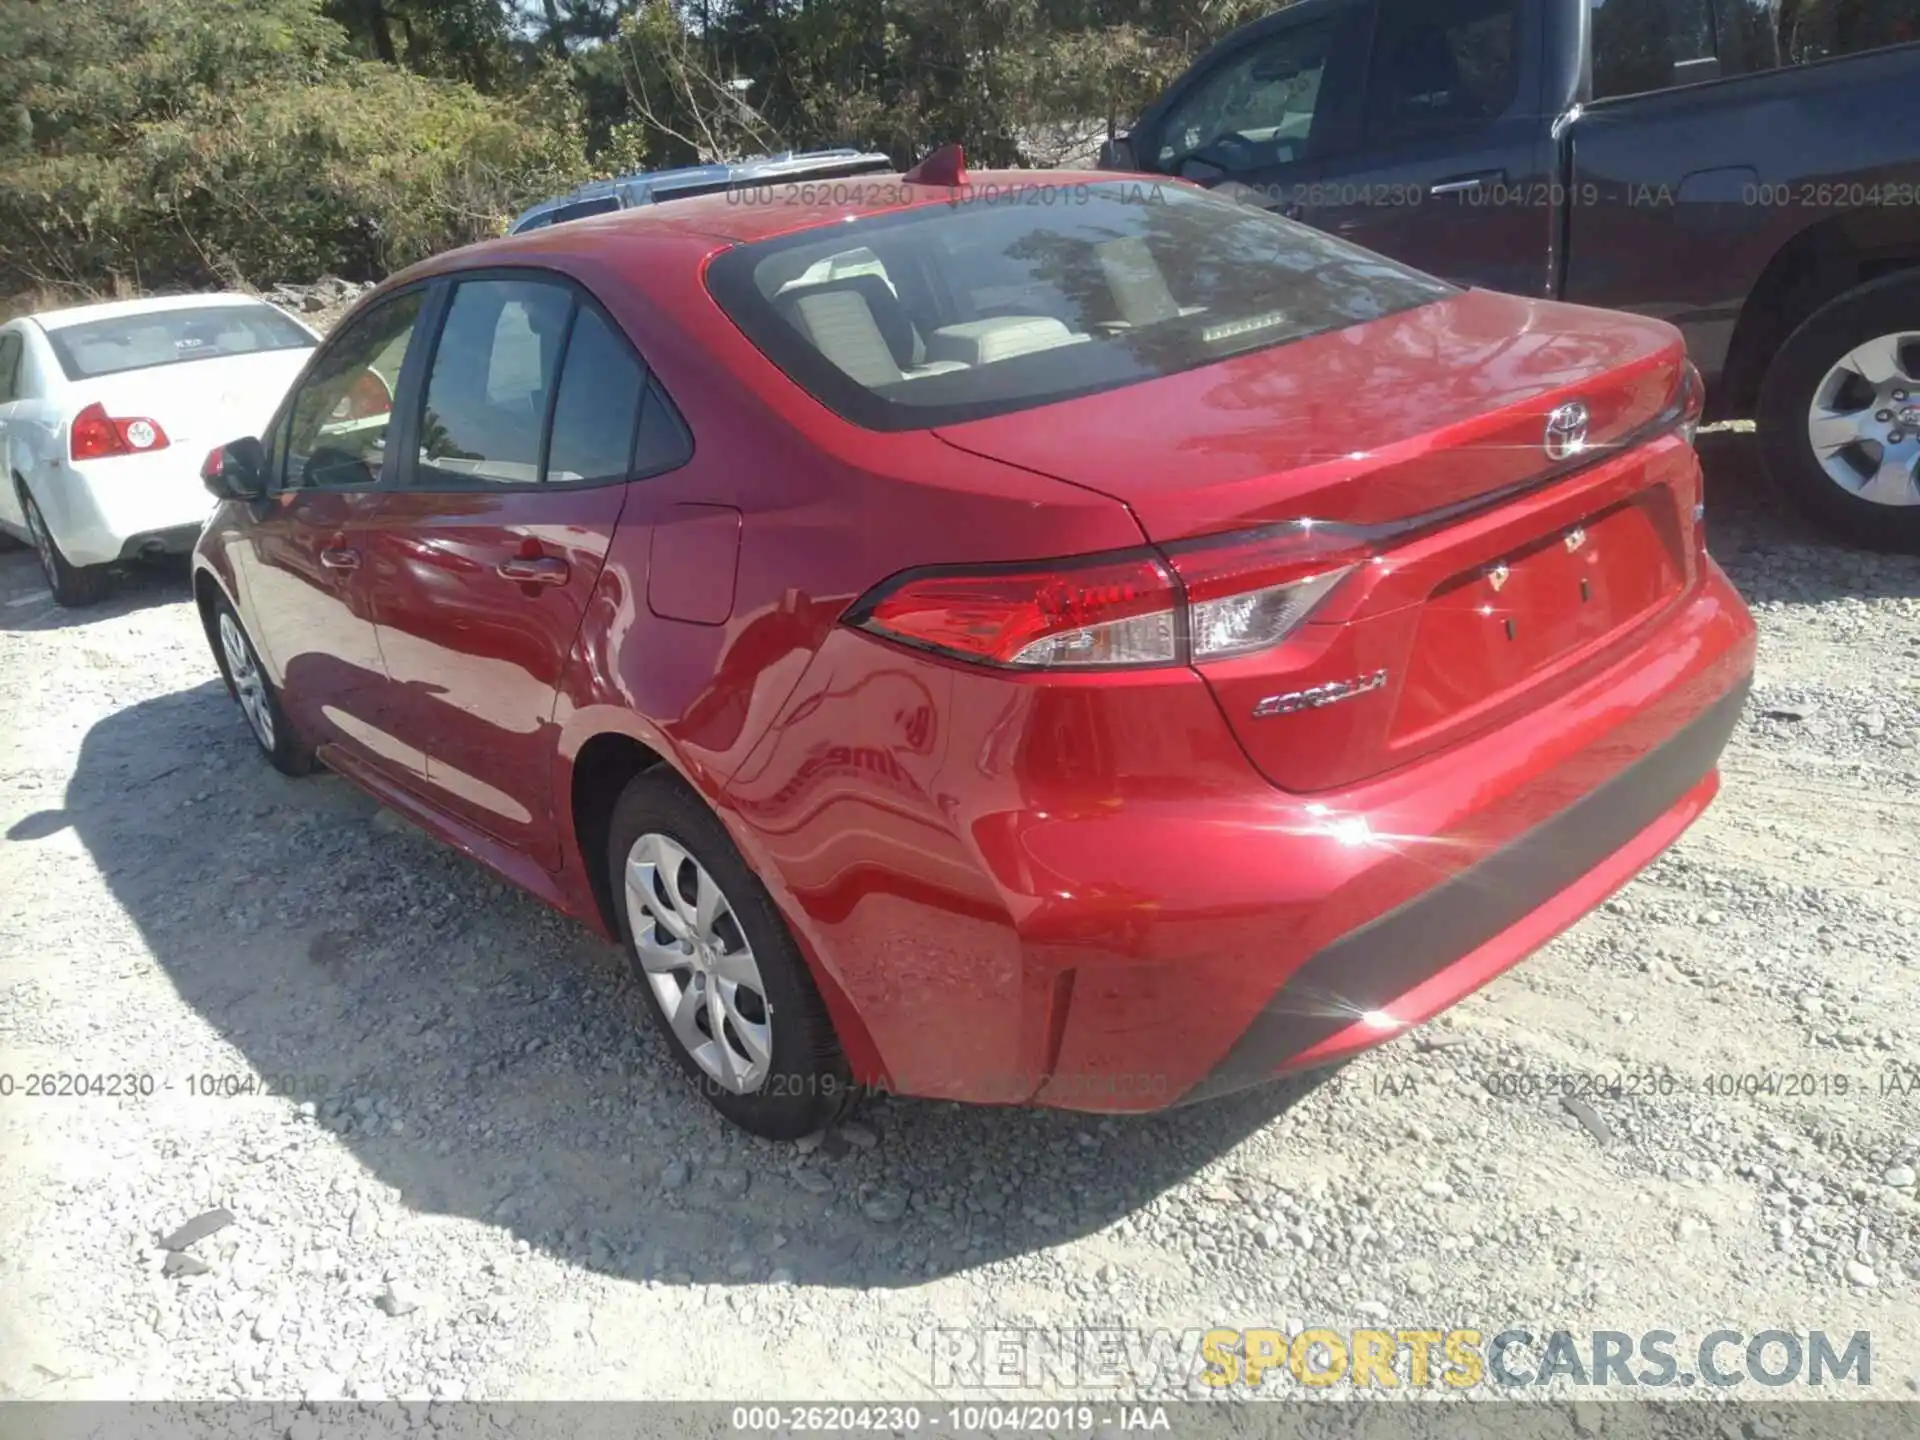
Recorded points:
(483, 1181)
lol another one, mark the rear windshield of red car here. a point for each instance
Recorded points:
(1014, 299)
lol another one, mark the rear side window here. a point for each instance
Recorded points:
(1822, 29)
(168, 337)
(492, 373)
(598, 405)
(1439, 64)
(1770, 33)
(956, 311)
(1642, 45)
(529, 385)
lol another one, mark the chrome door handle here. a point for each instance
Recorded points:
(340, 557)
(535, 570)
(1467, 185)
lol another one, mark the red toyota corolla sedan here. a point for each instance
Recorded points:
(1096, 647)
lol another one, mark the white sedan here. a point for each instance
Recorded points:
(107, 411)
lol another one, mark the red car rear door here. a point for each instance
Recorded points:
(484, 554)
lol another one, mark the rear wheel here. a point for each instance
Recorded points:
(727, 985)
(71, 584)
(1840, 415)
(259, 702)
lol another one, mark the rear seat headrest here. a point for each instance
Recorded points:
(887, 314)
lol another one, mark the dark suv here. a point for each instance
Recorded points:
(1748, 169)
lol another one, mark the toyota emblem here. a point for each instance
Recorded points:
(1567, 431)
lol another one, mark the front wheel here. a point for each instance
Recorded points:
(1840, 415)
(259, 702)
(72, 585)
(728, 987)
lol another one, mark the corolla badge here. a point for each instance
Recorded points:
(1319, 696)
(1567, 431)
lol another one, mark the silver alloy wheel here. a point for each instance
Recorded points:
(42, 542)
(249, 686)
(697, 959)
(1864, 423)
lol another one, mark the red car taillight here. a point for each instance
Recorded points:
(1201, 600)
(94, 434)
(1249, 591)
(1104, 611)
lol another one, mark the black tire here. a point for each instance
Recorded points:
(1792, 383)
(72, 585)
(807, 1085)
(285, 751)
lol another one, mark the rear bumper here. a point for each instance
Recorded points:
(105, 510)
(1432, 881)
(1021, 894)
(173, 540)
(1414, 961)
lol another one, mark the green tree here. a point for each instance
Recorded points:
(468, 40)
(171, 142)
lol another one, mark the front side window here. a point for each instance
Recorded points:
(1439, 64)
(170, 337)
(952, 312)
(336, 436)
(1643, 45)
(1255, 111)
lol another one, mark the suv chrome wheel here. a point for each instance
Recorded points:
(697, 960)
(249, 688)
(1864, 424)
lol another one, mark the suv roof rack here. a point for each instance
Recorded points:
(656, 187)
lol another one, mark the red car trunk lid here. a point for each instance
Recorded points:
(1502, 570)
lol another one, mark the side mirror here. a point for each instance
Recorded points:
(236, 471)
(1117, 153)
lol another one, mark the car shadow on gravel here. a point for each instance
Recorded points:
(25, 603)
(489, 1060)
(1774, 553)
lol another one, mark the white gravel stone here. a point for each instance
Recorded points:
(550, 1178)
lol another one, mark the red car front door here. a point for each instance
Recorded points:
(484, 555)
(304, 569)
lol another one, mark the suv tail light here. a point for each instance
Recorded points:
(1692, 400)
(94, 434)
(1198, 601)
